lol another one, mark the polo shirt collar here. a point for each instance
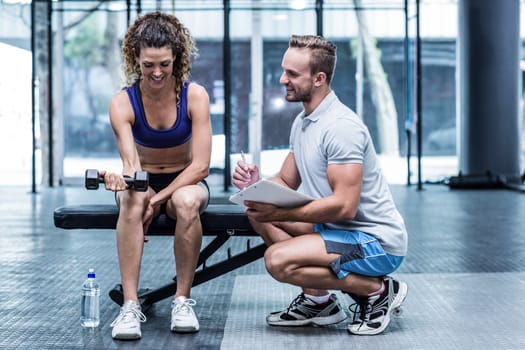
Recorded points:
(319, 111)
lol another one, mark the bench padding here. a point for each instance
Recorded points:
(217, 219)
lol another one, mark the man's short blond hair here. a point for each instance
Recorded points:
(323, 58)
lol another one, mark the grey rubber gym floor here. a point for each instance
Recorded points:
(465, 271)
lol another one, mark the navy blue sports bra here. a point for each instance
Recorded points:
(147, 136)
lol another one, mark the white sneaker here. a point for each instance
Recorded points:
(127, 323)
(183, 318)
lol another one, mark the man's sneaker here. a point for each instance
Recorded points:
(183, 318)
(303, 311)
(127, 323)
(372, 314)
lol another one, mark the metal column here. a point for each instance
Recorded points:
(488, 92)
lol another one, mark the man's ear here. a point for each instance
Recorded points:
(320, 78)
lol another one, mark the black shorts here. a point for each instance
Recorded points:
(160, 181)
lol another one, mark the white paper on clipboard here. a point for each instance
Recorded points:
(266, 191)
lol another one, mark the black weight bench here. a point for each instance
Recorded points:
(220, 220)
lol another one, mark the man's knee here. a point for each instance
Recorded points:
(276, 263)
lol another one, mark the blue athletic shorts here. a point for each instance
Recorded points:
(360, 253)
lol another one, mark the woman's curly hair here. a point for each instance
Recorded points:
(157, 29)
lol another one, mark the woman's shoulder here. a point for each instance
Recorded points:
(120, 106)
(120, 97)
(196, 91)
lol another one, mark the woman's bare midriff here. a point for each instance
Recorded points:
(165, 160)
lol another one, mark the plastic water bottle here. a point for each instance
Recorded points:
(90, 305)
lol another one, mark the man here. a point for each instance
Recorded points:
(352, 236)
(161, 122)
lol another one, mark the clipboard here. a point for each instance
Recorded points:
(266, 191)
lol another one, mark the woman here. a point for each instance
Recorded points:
(161, 122)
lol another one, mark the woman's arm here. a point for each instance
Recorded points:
(121, 117)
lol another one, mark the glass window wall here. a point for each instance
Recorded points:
(370, 35)
(369, 40)
(261, 118)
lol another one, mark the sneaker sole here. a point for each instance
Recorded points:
(184, 329)
(318, 321)
(396, 304)
(124, 336)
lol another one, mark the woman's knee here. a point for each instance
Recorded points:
(132, 205)
(185, 203)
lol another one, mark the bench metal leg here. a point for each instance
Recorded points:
(149, 297)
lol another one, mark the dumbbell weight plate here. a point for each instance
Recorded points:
(92, 179)
(141, 181)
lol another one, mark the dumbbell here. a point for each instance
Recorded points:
(139, 183)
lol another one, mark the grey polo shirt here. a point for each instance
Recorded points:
(334, 134)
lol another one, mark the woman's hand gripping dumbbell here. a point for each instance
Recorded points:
(139, 182)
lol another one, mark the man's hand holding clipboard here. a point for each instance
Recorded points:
(262, 198)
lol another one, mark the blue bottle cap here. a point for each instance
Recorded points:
(91, 273)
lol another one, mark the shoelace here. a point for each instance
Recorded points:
(184, 307)
(361, 311)
(296, 301)
(133, 311)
